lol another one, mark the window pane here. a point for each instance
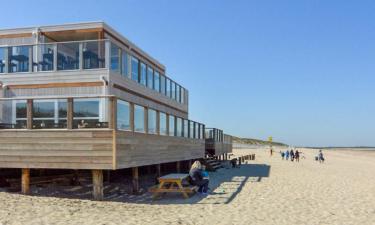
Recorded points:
(179, 127)
(196, 135)
(43, 109)
(202, 131)
(173, 90)
(169, 93)
(21, 110)
(19, 59)
(157, 81)
(163, 123)
(115, 58)
(2, 60)
(86, 108)
(151, 121)
(62, 108)
(143, 74)
(150, 77)
(67, 56)
(123, 115)
(178, 91)
(94, 55)
(135, 69)
(186, 128)
(45, 57)
(191, 129)
(171, 126)
(139, 118)
(182, 95)
(124, 64)
(162, 85)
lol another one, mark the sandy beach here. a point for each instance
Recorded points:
(267, 190)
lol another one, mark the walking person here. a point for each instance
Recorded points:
(291, 155)
(287, 155)
(296, 156)
(321, 157)
(282, 155)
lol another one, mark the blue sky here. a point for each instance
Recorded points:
(300, 71)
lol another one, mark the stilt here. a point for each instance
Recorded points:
(135, 180)
(97, 181)
(25, 186)
(158, 170)
(178, 167)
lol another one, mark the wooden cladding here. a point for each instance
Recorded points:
(21, 35)
(56, 85)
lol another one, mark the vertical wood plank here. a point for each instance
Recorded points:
(132, 117)
(113, 113)
(158, 170)
(25, 181)
(97, 181)
(178, 167)
(157, 122)
(29, 113)
(135, 173)
(69, 112)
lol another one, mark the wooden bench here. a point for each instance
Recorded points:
(172, 183)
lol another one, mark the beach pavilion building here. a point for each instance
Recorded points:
(81, 96)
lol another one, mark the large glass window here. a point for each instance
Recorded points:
(202, 131)
(2, 60)
(123, 115)
(143, 74)
(196, 134)
(191, 134)
(157, 81)
(115, 58)
(182, 95)
(179, 127)
(162, 85)
(19, 59)
(173, 90)
(94, 55)
(49, 114)
(178, 93)
(163, 123)
(46, 57)
(151, 121)
(21, 114)
(86, 113)
(186, 128)
(150, 77)
(139, 118)
(172, 128)
(124, 64)
(135, 68)
(169, 93)
(67, 56)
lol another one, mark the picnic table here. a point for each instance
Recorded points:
(173, 183)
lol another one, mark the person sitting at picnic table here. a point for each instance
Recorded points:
(196, 177)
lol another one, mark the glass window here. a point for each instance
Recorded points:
(182, 95)
(173, 90)
(163, 123)
(162, 85)
(178, 93)
(143, 74)
(202, 131)
(68, 56)
(186, 128)
(196, 135)
(93, 53)
(150, 77)
(179, 127)
(86, 113)
(2, 60)
(171, 126)
(124, 64)
(123, 115)
(43, 109)
(157, 81)
(19, 59)
(21, 114)
(169, 93)
(151, 121)
(46, 57)
(191, 134)
(135, 69)
(139, 118)
(115, 58)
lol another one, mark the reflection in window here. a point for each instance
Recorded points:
(43, 109)
(67, 56)
(173, 90)
(162, 85)
(169, 93)
(49, 114)
(135, 69)
(143, 74)
(150, 78)
(151, 121)
(186, 128)
(139, 118)
(157, 81)
(86, 114)
(191, 134)
(115, 58)
(196, 134)
(172, 127)
(163, 123)
(19, 59)
(21, 114)
(182, 95)
(179, 127)
(93, 53)
(123, 115)
(124, 64)
(2, 60)
(178, 91)
(46, 57)
(202, 131)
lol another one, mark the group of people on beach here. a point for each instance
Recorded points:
(293, 155)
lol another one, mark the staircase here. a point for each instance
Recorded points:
(211, 164)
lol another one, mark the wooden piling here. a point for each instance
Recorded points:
(178, 167)
(97, 181)
(135, 180)
(25, 181)
(158, 170)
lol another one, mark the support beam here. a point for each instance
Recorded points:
(135, 180)
(178, 167)
(69, 115)
(158, 170)
(25, 185)
(29, 113)
(97, 181)
(113, 113)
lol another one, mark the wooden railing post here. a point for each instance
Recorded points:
(69, 114)
(29, 113)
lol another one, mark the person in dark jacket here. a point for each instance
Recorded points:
(197, 179)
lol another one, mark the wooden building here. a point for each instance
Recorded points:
(217, 143)
(82, 96)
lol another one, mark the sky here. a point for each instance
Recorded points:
(302, 72)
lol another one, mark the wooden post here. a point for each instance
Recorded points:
(25, 185)
(69, 114)
(178, 166)
(113, 113)
(158, 170)
(97, 181)
(131, 116)
(135, 180)
(29, 113)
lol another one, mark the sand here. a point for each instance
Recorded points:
(265, 191)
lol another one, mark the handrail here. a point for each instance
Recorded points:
(52, 43)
